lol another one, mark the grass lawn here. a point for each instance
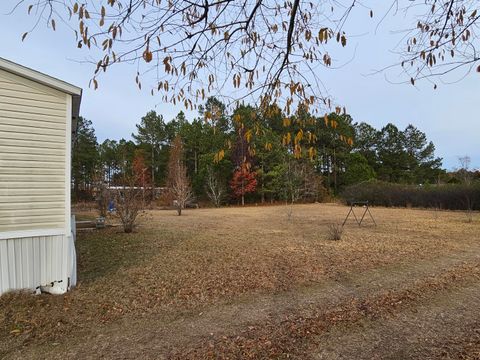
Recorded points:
(258, 282)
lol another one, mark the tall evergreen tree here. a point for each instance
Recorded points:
(393, 159)
(109, 158)
(366, 140)
(151, 134)
(422, 163)
(85, 157)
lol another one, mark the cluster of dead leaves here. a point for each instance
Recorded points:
(292, 335)
(167, 267)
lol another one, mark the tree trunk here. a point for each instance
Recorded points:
(334, 170)
(263, 190)
(328, 162)
(75, 190)
(179, 210)
(196, 162)
(243, 193)
(128, 228)
(153, 167)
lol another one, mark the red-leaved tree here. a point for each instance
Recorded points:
(243, 182)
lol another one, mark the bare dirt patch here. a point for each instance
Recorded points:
(252, 282)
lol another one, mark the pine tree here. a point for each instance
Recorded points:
(151, 134)
(85, 157)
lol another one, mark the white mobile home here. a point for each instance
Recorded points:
(36, 230)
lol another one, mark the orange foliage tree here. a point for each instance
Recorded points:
(141, 174)
(141, 171)
(243, 182)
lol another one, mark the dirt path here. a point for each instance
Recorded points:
(447, 327)
(424, 310)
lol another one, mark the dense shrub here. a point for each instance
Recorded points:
(448, 196)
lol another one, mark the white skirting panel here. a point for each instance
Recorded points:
(33, 262)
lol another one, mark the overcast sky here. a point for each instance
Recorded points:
(449, 115)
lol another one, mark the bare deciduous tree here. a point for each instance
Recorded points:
(468, 192)
(301, 181)
(464, 170)
(178, 182)
(129, 199)
(102, 195)
(215, 191)
(128, 203)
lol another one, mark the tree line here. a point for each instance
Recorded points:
(252, 155)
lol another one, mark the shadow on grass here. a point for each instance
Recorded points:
(102, 252)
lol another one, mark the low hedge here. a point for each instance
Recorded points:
(448, 196)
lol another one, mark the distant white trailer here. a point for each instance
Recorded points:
(36, 230)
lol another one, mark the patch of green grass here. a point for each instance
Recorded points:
(85, 217)
(106, 251)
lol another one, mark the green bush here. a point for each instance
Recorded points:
(448, 196)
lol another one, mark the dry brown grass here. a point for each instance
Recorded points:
(211, 259)
(334, 232)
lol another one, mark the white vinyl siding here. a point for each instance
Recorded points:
(33, 153)
(29, 262)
